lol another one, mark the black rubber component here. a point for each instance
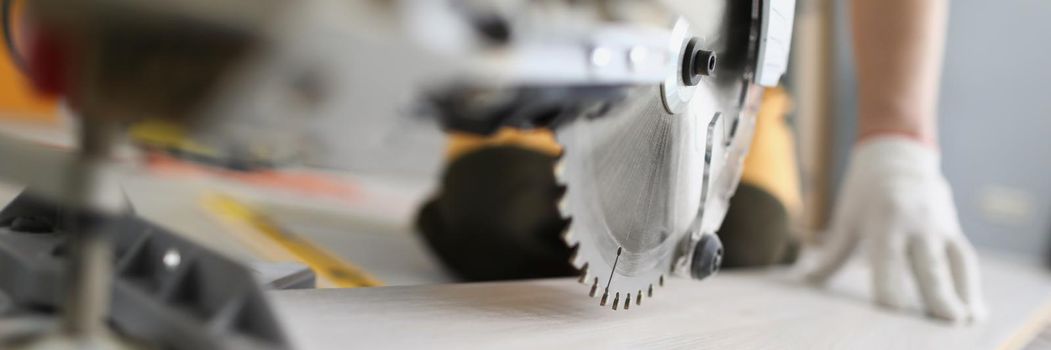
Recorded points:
(756, 231)
(704, 62)
(205, 301)
(495, 217)
(485, 110)
(32, 224)
(696, 63)
(493, 28)
(707, 257)
(688, 56)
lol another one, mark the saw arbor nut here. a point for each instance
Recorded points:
(707, 257)
(696, 63)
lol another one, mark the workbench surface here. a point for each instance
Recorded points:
(734, 310)
(738, 310)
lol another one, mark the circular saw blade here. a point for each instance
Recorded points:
(632, 191)
(636, 176)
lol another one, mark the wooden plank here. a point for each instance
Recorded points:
(738, 310)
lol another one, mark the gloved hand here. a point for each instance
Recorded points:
(895, 199)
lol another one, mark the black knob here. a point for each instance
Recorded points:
(707, 257)
(704, 62)
(696, 63)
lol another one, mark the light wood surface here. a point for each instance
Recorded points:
(740, 310)
(735, 310)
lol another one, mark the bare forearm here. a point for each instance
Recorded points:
(898, 47)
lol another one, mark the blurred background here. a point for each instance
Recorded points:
(994, 129)
(362, 227)
(994, 118)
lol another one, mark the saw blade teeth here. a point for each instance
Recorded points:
(589, 231)
(560, 171)
(560, 191)
(575, 258)
(563, 206)
(567, 236)
(577, 261)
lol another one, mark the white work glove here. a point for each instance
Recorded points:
(895, 199)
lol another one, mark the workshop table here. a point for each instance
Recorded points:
(759, 309)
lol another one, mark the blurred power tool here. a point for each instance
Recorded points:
(642, 181)
(652, 102)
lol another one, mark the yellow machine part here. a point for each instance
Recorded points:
(771, 162)
(540, 140)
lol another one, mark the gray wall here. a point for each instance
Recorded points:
(995, 119)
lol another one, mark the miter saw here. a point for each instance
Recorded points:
(647, 169)
(648, 184)
(654, 103)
